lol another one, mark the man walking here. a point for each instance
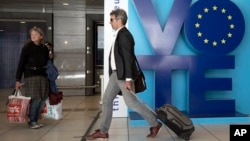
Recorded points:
(122, 71)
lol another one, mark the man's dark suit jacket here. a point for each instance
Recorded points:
(124, 55)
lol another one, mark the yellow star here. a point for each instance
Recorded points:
(206, 41)
(215, 8)
(223, 10)
(199, 34)
(223, 41)
(206, 10)
(214, 43)
(197, 25)
(231, 26)
(229, 17)
(199, 16)
(229, 35)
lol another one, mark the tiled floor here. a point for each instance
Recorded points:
(81, 116)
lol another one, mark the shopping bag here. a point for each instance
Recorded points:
(12, 93)
(52, 111)
(44, 110)
(18, 108)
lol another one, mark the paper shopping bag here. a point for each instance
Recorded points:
(18, 108)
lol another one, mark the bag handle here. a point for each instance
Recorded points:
(137, 64)
(18, 93)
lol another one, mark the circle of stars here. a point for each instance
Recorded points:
(206, 40)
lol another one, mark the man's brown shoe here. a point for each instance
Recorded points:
(154, 130)
(97, 135)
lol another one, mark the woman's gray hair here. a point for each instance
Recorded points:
(120, 14)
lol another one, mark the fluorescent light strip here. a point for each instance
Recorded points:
(65, 4)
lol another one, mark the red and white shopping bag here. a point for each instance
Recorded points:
(18, 108)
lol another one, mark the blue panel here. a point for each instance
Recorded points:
(180, 96)
(214, 72)
(10, 46)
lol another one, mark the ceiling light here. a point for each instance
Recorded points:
(65, 4)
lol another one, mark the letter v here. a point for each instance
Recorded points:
(162, 42)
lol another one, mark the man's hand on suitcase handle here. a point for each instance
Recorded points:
(129, 90)
(128, 84)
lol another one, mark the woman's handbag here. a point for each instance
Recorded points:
(55, 98)
(52, 74)
(18, 107)
(140, 83)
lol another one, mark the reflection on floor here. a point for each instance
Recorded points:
(81, 117)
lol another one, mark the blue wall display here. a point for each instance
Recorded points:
(196, 52)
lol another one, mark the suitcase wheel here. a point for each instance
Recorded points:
(186, 138)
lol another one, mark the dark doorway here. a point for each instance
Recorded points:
(94, 52)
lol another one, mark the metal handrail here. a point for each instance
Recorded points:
(77, 87)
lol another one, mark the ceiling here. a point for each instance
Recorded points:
(50, 4)
(43, 6)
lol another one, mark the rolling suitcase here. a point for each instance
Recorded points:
(176, 121)
(170, 116)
